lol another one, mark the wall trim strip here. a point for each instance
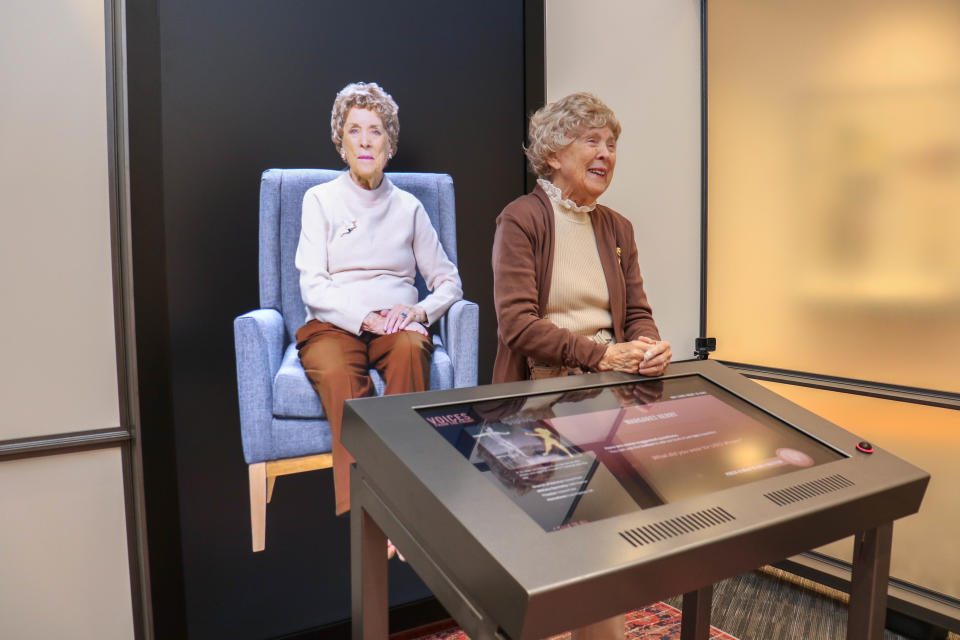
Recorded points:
(913, 395)
(63, 442)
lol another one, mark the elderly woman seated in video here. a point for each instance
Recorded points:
(361, 244)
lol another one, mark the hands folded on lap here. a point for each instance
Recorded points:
(644, 355)
(399, 317)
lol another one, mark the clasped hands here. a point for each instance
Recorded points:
(644, 355)
(399, 317)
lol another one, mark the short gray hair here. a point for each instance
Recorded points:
(555, 125)
(366, 95)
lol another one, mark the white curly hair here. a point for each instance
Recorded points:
(558, 123)
(366, 95)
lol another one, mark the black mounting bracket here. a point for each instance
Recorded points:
(703, 347)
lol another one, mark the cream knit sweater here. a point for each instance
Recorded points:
(359, 252)
(579, 300)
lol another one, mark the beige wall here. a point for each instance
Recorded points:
(642, 58)
(64, 569)
(57, 341)
(63, 548)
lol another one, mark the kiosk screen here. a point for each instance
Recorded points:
(580, 456)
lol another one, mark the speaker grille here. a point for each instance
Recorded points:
(658, 531)
(811, 489)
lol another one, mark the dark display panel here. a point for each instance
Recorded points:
(581, 456)
(219, 91)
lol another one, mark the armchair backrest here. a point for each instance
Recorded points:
(281, 200)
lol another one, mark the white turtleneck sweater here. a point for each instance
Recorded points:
(359, 252)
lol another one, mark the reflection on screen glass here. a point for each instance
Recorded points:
(580, 456)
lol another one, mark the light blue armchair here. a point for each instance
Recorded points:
(282, 423)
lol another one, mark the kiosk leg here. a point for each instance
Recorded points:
(868, 586)
(368, 574)
(695, 623)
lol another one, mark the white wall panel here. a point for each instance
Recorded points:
(57, 340)
(642, 57)
(63, 548)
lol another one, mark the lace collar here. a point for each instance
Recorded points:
(565, 204)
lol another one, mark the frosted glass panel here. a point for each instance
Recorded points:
(925, 551)
(64, 548)
(834, 187)
(59, 357)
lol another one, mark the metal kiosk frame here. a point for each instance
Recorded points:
(500, 575)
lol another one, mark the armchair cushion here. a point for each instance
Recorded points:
(460, 332)
(293, 438)
(258, 338)
(294, 397)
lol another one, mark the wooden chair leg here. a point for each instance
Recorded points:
(258, 504)
(271, 480)
(263, 476)
(287, 466)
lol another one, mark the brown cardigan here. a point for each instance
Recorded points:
(522, 266)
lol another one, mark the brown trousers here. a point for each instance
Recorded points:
(337, 363)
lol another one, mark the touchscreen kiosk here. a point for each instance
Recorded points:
(535, 507)
(579, 456)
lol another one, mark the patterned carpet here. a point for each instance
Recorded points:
(767, 604)
(658, 621)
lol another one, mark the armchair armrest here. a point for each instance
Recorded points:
(258, 338)
(460, 331)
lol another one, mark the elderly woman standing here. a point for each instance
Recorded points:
(567, 287)
(361, 244)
